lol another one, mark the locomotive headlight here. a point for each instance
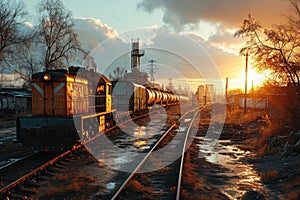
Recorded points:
(47, 77)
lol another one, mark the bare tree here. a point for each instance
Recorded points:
(12, 16)
(12, 37)
(89, 62)
(56, 31)
(117, 74)
(28, 62)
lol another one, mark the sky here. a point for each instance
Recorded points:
(209, 22)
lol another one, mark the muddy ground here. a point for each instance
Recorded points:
(9, 148)
(236, 168)
(239, 166)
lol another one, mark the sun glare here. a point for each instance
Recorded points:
(255, 77)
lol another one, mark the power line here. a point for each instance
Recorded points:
(152, 69)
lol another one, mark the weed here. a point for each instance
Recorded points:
(269, 176)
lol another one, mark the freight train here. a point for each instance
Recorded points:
(75, 104)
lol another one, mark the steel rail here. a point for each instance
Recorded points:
(182, 157)
(145, 159)
(16, 160)
(51, 162)
(23, 178)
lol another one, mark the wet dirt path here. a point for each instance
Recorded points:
(238, 179)
(220, 172)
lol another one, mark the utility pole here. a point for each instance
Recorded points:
(246, 81)
(152, 69)
(252, 94)
(226, 90)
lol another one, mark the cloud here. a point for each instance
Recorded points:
(225, 40)
(103, 42)
(173, 51)
(178, 13)
(229, 64)
(92, 31)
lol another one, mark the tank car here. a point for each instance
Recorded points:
(67, 106)
(130, 98)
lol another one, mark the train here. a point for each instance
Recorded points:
(73, 105)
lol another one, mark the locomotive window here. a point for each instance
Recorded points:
(109, 89)
(100, 89)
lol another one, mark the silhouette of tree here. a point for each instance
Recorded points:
(276, 50)
(28, 62)
(56, 33)
(117, 74)
(12, 17)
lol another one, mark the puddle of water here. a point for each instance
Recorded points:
(140, 131)
(187, 119)
(110, 186)
(181, 129)
(242, 177)
(124, 154)
(140, 143)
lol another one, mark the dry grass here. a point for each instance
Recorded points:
(259, 144)
(54, 189)
(293, 195)
(266, 128)
(238, 116)
(271, 129)
(269, 176)
(68, 183)
(135, 187)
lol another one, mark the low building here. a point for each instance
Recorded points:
(18, 99)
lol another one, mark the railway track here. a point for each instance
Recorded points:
(163, 183)
(39, 171)
(17, 172)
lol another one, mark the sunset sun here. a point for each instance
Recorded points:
(257, 78)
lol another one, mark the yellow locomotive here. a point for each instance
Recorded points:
(67, 105)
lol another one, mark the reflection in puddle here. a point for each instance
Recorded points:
(129, 147)
(111, 186)
(241, 177)
(187, 119)
(140, 131)
(181, 129)
(143, 137)
(139, 143)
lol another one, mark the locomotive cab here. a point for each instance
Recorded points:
(54, 94)
(67, 105)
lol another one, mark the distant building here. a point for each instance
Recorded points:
(273, 99)
(209, 92)
(18, 99)
(200, 94)
(205, 93)
(253, 102)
